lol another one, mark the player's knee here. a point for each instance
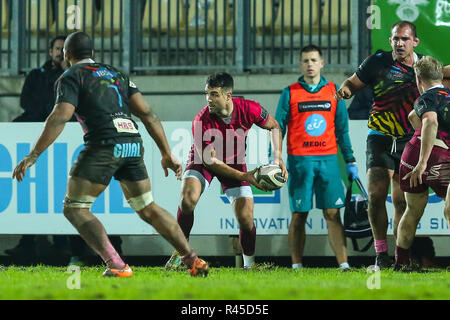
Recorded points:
(188, 202)
(331, 215)
(399, 205)
(69, 212)
(298, 219)
(139, 203)
(74, 204)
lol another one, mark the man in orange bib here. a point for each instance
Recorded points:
(316, 123)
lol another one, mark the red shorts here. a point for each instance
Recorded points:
(437, 173)
(225, 182)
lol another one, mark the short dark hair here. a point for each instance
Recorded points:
(79, 45)
(402, 24)
(52, 42)
(220, 80)
(311, 48)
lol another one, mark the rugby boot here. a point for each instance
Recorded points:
(125, 272)
(383, 261)
(175, 262)
(199, 268)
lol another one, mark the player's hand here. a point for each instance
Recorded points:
(343, 93)
(352, 171)
(281, 164)
(172, 163)
(415, 175)
(249, 176)
(21, 169)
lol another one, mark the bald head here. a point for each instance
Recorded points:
(78, 46)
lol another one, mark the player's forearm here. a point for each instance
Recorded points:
(348, 84)
(156, 131)
(222, 169)
(428, 137)
(342, 132)
(276, 139)
(53, 128)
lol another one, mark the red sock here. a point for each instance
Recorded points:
(247, 240)
(186, 221)
(402, 256)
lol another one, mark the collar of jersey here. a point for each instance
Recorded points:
(436, 86)
(307, 86)
(416, 57)
(89, 60)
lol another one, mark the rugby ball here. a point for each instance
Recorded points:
(270, 177)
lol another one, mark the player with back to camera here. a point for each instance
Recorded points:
(390, 74)
(224, 119)
(426, 159)
(103, 100)
(316, 124)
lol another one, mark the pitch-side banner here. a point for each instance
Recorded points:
(35, 205)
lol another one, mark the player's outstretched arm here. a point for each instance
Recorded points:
(54, 125)
(140, 108)
(220, 168)
(276, 138)
(349, 87)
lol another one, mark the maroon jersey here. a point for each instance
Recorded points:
(227, 136)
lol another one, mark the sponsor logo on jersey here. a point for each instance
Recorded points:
(309, 106)
(104, 73)
(124, 125)
(315, 125)
(264, 114)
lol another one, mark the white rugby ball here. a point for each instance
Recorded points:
(270, 177)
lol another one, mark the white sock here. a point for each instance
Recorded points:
(297, 266)
(344, 265)
(248, 260)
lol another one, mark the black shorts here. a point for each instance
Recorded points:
(385, 151)
(98, 163)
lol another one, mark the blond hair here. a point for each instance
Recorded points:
(429, 69)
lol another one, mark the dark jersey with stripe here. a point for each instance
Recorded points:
(394, 91)
(436, 100)
(100, 95)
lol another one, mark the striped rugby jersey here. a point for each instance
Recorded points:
(394, 90)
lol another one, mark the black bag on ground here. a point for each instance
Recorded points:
(356, 220)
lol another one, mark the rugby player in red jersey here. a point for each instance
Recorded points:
(220, 132)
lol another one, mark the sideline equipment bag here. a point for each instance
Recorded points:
(356, 220)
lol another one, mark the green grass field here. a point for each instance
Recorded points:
(43, 282)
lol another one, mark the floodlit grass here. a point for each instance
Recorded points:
(43, 282)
